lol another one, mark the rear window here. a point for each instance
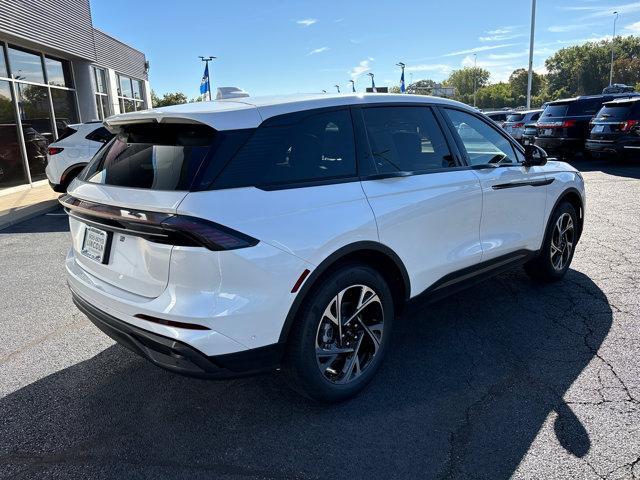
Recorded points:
(586, 107)
(293, 149)
(67, 132)
(497, 117)
(101, 135)
(516, 117)
(555, 110)
(152, 156)
(623, 111)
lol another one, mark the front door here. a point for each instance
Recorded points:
(514, 196)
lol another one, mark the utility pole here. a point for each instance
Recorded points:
(475, 77)
(206, 61)
(613, 39)
(533, 31)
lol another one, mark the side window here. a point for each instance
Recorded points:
(481, 141)
(406, 139)
(317, 147)
(535, 117)
(101, 135)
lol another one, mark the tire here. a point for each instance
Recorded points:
(329, 376)
(554, 258)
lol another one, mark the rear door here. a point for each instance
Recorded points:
(147, 168)
(514, 196)
(427, 206)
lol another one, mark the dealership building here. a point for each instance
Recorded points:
(56, 69)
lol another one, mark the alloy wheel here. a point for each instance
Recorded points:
(349, 334)
(562, 241)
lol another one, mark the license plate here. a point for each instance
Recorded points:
(598, 129)
(94, 244)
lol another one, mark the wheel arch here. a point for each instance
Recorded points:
(374, 254)
(572, 196)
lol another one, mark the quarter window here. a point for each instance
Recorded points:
(483, 143)
(406, 139)
(317, 147)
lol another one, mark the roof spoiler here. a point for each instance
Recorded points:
(230, 92)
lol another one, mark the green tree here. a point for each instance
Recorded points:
(627, 71)
(168, 99)
(519, 81)
(421, 87)
(584, 69)
(394, 89)
(463, 80)
(496, 96)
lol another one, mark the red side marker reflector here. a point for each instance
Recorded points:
(300, 281)
(171, 323)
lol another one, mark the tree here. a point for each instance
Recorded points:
(421, 87)
(497, 95)
(584, 69)
(463, 80)
(627, 71)
(519, 81)
(167, 99)
(394, 89)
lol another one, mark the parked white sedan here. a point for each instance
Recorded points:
(67, 156)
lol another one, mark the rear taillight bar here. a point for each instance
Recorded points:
(157, 226)
(54, 150)
(565, 124)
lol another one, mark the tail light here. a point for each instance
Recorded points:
(158, 227)
(54, 150)
(518, 125)
(628, 125)
(568, 123)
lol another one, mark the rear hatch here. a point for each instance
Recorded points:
(616, 120)
(568, 118)
(130, 187)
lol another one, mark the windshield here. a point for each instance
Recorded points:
(152, 156)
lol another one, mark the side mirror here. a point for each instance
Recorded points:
(534, 156)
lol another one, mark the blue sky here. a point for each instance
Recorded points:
(303, 46)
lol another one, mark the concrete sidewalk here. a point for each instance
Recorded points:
(24, 204)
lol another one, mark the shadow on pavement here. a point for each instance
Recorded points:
(54, 221)
(629, 168)
(467, 386)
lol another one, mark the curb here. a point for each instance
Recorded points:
(18, 215)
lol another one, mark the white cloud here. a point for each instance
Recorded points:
(306, 21)
(570, 27)
(338, 20)
(634, 27)
(601, 11)
(432, 67)
(318, 50)
(483, 48)
(508, 56)
(501, 37)
(361, 68)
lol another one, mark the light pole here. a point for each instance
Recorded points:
(475, 76)
(353, 86)
(533, 31)
(373, 84)
(613, 39)
(337, 87)
(402, 86)
(206, 61)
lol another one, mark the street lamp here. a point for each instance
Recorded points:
(337, 87)
(353, 86)
(531, 38)
(206, 60)
(475, 76)
(373, 84)
(612, 44)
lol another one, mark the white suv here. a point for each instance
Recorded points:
(240, 236)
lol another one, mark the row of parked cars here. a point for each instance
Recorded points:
(593, 125)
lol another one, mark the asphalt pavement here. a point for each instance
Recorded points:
(509, 379)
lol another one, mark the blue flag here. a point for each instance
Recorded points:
(402, 82)
(204, 83)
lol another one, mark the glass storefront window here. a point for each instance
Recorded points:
(64, 108)
(26, 66)
(125, 87)
(137, 89)
(127, 105)
(139, 105)
(3, 64)
(100, 80)
(58, 72)
(11, 165)
(33, 105)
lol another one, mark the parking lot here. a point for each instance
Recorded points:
(507, 379)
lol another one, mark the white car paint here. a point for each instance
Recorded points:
(436, 224)
(77, 150)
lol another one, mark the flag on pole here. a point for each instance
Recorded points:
(402, 81)
(373, 85)
(204, 83)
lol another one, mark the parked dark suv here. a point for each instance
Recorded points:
(564, 124)
(616, 129)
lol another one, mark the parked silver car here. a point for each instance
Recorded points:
(516, 122)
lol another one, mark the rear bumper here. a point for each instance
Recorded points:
(555, 144)
(612, 146)
(179, 357)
